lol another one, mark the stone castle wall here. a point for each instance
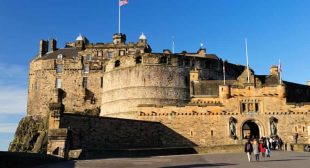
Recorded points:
(42, 86)
(93, 133)
(209, 126)
(126, 88)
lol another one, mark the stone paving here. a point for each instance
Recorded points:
(279, 159)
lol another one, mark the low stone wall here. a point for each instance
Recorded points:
(97, 133)
(221, 149)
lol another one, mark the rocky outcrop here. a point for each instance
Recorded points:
(31, 135)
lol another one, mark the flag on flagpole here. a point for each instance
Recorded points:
(123, 2)
(280, 71)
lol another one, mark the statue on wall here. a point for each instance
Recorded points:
(273, 126)
(232, 128)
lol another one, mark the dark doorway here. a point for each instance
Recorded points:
(250, 130)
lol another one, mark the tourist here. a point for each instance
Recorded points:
(280, 144)
(262, 148)
(248, 149)
(256, 149)
(271, 143)
(268, 145)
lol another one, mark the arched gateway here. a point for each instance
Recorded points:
(250, 129)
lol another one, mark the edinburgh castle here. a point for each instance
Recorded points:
(89, 97)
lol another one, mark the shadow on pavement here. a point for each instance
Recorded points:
(200, 165)
(282, 160)
(65, 164)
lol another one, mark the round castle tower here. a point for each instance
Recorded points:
(131, 81)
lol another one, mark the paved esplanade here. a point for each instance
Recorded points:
(279, 159)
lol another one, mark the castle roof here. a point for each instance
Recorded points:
(80, 37)
(142, 37)
(66, 52)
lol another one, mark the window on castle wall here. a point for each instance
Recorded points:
(193, 63)
(109, 55)
(138, 60)
(163, 60)
(86, 68)
(59, 56)
(88, 57)
(180, 62)
(243, 107)
(101, 82)
(211, 132)
(58, 68)
(121, 52)
(169, 60)
(117, 63)
(99, 53)
(256, 107)
(84, 83)
(186, 62)
(58, 83)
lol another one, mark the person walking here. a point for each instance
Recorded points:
(256, 149)
(262, 148)
(268, 144)
(248, 149)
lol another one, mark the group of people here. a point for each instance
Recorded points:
(262, 146)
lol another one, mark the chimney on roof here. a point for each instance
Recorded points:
(53, 45)
(202, 51)
(43, 47)
(274, 70)
(119, 38)
(167, 51)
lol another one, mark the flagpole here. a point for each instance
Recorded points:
(119, 16)
(280, 72)
(173, 45)
(224, 72)
(247, 59)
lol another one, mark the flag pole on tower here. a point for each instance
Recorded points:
(121, 3)
(280, 72)
(224, 72)
(247, 60)
(173, 45)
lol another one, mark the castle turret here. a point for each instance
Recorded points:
(119, 38)
(224, 91)
(308, 82)
(53, 45)
(43, 47)
(274, 70)
(193, 77)
(281, 91)
(142, 39)
(80, 42)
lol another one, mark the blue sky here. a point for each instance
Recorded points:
(274, 29)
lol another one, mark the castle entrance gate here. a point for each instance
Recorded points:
(250, 130)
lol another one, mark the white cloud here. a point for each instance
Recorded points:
(8, 127)
(13, 100)
(13, 89)
(13, 75)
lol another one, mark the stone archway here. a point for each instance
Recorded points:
(250, 129)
